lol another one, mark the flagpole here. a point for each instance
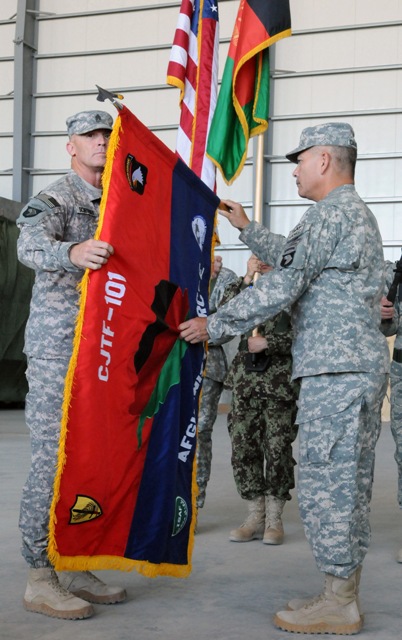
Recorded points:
(259, 173)
(258, 184)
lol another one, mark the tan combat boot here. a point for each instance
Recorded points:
(44, 594)
(88, 587)
(254, 525)
(274, 533)
(335, 611)
(298, 603)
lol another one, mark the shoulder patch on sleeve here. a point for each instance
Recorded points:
(289, 251)
(36, 208)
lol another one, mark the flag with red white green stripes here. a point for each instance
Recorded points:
(243, 102)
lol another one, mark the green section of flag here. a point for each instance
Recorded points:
(169, 376)
(233, 123)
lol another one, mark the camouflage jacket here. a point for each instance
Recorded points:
(329, 272)
(216, 365)
(63, 214)
(275, 381)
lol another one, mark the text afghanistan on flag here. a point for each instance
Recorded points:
(243, 100)
(125, 484)
(193, 67)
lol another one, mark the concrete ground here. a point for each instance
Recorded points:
(234, 589)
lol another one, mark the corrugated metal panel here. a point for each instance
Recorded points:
(344, 61)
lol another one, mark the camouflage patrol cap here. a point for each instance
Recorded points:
(86, 121)
(337, 134)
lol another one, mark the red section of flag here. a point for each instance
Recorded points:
(125, 481)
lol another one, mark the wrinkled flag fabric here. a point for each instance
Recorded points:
(124, 494)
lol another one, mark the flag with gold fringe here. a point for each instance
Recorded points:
(243, 101)
(124, 493)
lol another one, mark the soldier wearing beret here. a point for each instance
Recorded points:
(57, 228)
(329, 272)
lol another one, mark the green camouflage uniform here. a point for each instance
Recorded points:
(329, 272)
(261, 420)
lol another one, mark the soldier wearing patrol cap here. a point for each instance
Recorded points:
(57, 227)
(329, 272)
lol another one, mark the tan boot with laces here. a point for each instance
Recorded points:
(334, 611)
(88, 587)
(45, 595)
(274, 533)
(298, 603)
(254, 525)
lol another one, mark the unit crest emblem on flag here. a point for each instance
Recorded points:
(180, 515)
(84, 509)
(199, 227)
(136, 174)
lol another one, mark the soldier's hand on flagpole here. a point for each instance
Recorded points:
(194, 330)
(235, 213)
(91, 254)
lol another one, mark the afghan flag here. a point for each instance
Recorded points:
(243, 101)
(124, 493)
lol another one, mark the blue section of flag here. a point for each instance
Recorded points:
(191, 194)
(195, 17)
(166, 481)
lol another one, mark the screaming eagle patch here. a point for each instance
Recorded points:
(292, 243)
(136, 174)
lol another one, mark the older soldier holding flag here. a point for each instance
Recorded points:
(329, 272)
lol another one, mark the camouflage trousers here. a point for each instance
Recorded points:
(261, 431)
(43, 415)
(396, 420)
(211, 392)
(339, 425)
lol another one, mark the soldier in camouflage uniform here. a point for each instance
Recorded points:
(392, 313)
(329, 272)
(56, 240)
(261, 420)
(212, 386)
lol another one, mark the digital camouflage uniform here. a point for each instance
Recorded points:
(212, 386)
(261, 420)
(394, 328)
(329, 272)
(65, 213)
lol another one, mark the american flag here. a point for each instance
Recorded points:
(193, 67)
